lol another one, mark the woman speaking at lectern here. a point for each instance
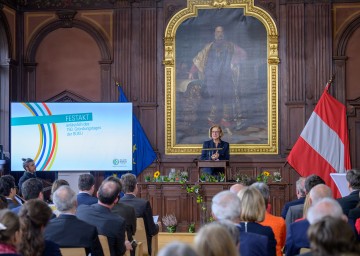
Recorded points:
(215, 149)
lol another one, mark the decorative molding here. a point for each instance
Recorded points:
(66, 17)
(68, 96)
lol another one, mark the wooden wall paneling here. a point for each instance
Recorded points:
(278, 197)
(122, 50)
(354, 132)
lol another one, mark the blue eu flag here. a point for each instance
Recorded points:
(143, 153)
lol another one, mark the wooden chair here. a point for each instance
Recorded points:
(140, 236)
(105, 245)
(80, 251)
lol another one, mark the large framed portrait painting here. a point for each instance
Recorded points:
(221, 68)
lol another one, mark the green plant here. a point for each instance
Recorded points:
(264, 176)
(191, 228)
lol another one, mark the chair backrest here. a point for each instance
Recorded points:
(304, 250)
(80, 251)
(105, 245)
(140, 236)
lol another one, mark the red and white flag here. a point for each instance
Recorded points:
(323, 146)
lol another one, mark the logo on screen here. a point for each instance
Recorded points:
(116, 161)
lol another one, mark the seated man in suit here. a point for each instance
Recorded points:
(350, 201)
(296, 237)
(126, 211)
(31, 189)
(67, 230)
(7, 189)
(300, 194)
(142, 206)
(86, 185)
(106, 222)
(227, 206)
(296, 211)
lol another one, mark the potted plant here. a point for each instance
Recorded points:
(170, 222)
(191, 228)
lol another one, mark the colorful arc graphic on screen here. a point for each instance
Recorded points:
(48, 144)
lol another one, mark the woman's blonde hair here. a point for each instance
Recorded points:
(216, 126)
(252, 205)
(215, 240)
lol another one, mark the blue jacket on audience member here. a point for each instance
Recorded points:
(85, 198)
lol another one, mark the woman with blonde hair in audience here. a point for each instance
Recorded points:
(215, 240)
(9, 232)
(253, 211)
(34, 216)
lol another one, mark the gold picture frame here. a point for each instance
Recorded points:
(246, 106)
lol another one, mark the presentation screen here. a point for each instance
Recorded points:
(72, 136)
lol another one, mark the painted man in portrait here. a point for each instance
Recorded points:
(218, 66)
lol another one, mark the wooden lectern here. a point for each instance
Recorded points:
(212, 164)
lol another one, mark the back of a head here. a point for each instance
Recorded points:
(311, 181)
(177, 248)
(114, 179)
(237, 187)
(300, 186)
(263, 189)
(108, 192)
(252, 205)
(353, 177)
(319, 192)
(332, 236)
(31, 188)
(214, 239)
(9, 224)
(34, 216)
(58, 183)
(86, 181)
(232, 229)
(129, 182)
(35, 212)
(226, 206)
(7, 182)
(324, 207)
(64, 199)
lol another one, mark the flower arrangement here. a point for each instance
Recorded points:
(277, 176)
(264, 177)
(170, 222)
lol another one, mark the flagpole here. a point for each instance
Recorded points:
(331, 80)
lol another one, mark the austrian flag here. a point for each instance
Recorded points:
(323, 146)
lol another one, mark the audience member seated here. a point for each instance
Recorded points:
(34, 216)
(30, 172)
(126, 211)
(9, 232)
(8, 189)
(227, 206)
(57, 184)
(142, 207)
(332, 236)
(276, 223)
(67, 230)
(233, 231)
(237, 187)
(86, 185)
(300, 194)
(296, 237)
(32, 189)
(253, 211)
(297, 211)
(215, 240)
(177, 248)
(350, 201)
(107, 223)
